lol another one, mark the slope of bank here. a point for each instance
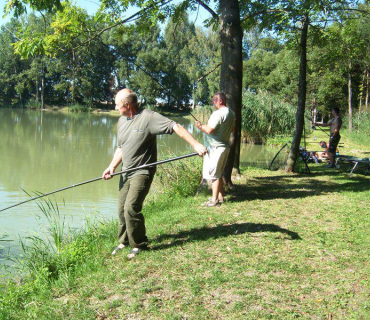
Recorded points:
(282, 246)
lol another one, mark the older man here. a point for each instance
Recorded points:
(219, 128)
(137, 146)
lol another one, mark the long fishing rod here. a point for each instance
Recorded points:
(193, 116)
(313, 127)
(100, 178)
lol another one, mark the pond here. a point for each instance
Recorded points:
(46, 151)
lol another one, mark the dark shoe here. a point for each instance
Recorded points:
(118, 248)
(133, 253)
(331, 166)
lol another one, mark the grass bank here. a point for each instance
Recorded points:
(283, 246)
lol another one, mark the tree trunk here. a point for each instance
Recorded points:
(42, 85)
(231, 76)
(302, 85)
(350, 110)
(37, 90)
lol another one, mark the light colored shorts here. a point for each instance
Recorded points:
(214, 162)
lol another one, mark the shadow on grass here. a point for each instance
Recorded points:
(298, 186)
(219, 232)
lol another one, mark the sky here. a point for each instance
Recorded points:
(92, 5)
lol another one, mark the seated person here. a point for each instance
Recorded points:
(324, 154)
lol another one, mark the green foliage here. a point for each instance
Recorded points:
(33, 104)
(274, 72)
(78, 108)
(361, 128)
(20, 7)
(265, 115)
(152, 107)
(179, 178)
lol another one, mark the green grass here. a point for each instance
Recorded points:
(361, 129)
(283, 246)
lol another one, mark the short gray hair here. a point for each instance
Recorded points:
(130, 98)
(221, 95)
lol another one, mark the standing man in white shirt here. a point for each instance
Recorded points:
(219, 128)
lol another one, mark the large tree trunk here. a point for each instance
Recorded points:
(293, 154)
(232, 75)
(350, 109)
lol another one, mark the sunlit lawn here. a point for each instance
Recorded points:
(283, 246)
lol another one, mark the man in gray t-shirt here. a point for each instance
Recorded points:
(137, 146)
(219, 128)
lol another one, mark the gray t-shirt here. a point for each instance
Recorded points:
(137, 138)
(223, 121)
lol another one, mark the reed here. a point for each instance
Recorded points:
(57, 250)
(265, 116)
(179, 178)
(203, 113)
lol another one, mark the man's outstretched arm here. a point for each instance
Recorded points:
(184, 134)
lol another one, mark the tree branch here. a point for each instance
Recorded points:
(208, 73)
(205, 6)
(252, 15)
(134, 17)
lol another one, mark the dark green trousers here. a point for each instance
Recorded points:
(131, 224)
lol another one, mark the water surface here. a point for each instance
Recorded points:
(46, 151)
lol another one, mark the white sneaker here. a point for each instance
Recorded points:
(133, 253)
(118, 248)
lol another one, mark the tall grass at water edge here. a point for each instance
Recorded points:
(264, 116)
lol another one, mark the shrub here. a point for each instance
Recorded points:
(78, 108)
(33, 104)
